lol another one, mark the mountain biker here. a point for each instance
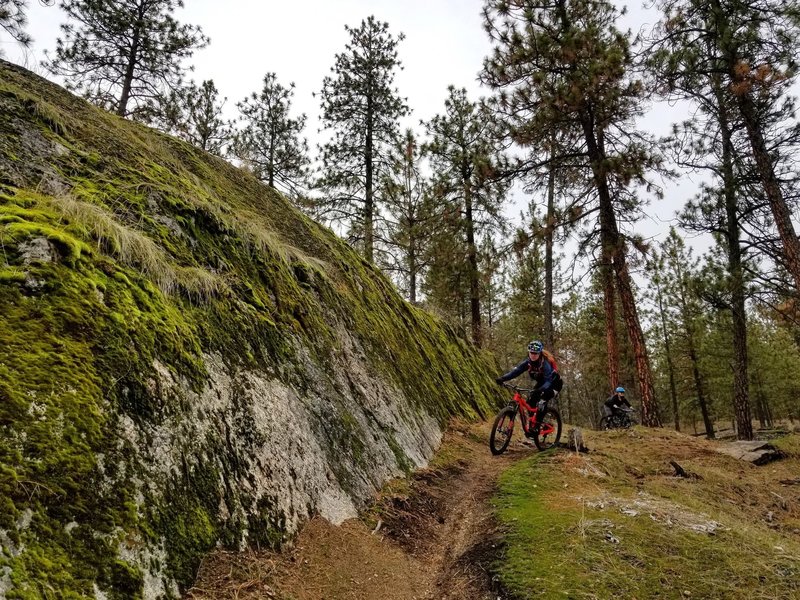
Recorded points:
(616, 404)
(542, 368)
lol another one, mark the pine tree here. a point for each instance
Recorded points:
(270, 142)
(194, 113)
(688, 63)
(361, 108)
(565, 67)
(744, 53)
(446, 280)
(13, 20)
(464, 154)
(523, 309)
(410, 215)
(124, 55)
(673, 272)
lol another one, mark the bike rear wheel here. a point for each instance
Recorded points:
(548, 430)
(502, 430)
(605, 424)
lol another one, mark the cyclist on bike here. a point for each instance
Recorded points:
(616, 404)
(542, 368)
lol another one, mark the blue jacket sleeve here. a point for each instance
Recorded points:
(516, 371)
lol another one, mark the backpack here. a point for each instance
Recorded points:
(549, 358)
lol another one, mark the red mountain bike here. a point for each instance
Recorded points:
(545, 428)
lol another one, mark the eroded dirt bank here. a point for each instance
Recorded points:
(430, 537)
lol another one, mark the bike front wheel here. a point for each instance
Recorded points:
(548, 430)
(502, 430)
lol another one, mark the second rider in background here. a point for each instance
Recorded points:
(616, 404)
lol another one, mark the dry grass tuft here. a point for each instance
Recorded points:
(135, 249)
(255, 231)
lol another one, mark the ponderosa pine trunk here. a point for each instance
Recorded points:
(670, 366)
(772, 189)
(549, 334)
(741, 402)
(130, 69)
(369, 200)
(472, 257)
(650, 416)
(608, 229)
(610, 312)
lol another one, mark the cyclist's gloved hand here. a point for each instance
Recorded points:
(499, 381)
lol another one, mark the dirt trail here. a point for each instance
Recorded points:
(434, 540)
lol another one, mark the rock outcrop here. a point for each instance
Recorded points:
(186, 360)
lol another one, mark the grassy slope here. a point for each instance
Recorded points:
(617, 523)
(163, 253)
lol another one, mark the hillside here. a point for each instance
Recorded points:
(186, 361)
(618, 522)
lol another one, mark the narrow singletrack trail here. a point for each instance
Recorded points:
(433, 540)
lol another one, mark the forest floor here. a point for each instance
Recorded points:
(613, 522)
(428, 537)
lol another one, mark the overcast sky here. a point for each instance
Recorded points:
(445, 44)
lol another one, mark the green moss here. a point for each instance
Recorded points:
(11, 275)
(71, 247)
(402, 460)
(266, 528)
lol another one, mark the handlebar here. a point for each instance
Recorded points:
(514, 388)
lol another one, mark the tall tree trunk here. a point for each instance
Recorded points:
(411, 221)
(741, 402)
(608, 229)
(472, 256)
(412, 275)
(772, 188)
(271, 159)
(548, 258)
(130, 69)
(670, 366)
(369, 200)
(650, 416)
(691, 338)
(610, 312)
(700, 389)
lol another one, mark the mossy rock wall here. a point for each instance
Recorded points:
(185, 359)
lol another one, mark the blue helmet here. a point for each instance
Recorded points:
(535, 346)
(620, 390)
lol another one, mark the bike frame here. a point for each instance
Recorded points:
(524, 409)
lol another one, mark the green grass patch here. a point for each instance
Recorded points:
(789, 444)
(573, 536)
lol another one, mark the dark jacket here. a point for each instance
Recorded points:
(617, 402)
(540, 370)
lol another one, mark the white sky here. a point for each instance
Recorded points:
(445, 44)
